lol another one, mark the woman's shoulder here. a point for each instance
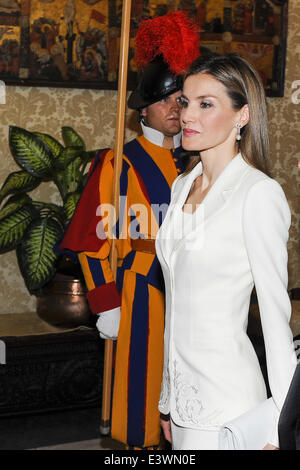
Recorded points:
(264, 193)
(254, 173)
(254, 176)
(261, 190)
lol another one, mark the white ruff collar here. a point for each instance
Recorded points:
(157, 137)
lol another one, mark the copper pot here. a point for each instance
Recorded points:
(63, 302)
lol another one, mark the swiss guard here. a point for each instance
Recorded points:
(131, 309)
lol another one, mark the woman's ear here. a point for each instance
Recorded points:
(244, 115)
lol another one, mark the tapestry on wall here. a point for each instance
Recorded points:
(76, 43)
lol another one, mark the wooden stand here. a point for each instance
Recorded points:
(48, 369)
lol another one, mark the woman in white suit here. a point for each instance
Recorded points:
(225, 231)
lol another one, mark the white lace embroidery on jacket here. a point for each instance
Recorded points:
(188, 405)
(165, 389)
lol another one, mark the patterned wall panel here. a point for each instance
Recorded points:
(92, 114)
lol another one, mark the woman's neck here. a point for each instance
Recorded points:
(213, 163)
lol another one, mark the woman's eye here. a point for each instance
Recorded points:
(205, 105)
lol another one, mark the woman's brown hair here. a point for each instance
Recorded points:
(243, 86)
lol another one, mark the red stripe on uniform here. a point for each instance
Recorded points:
(106, 295)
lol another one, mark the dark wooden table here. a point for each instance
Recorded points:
(47, 368)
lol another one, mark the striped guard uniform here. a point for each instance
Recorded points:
(148, 171)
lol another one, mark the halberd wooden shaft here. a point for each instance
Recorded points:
(118, 152)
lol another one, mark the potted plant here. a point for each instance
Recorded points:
(33, 228)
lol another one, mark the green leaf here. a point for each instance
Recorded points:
(53, 144)
(70, 177)
(18, 182)
(89, 156)
(35, 254)
(13, 227)
(14, 203)
(53, 211)
(30, 152)
(83, 181)
(70, 204)
(67, 155)
(71, 138)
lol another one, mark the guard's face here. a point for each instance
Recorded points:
(164, 115)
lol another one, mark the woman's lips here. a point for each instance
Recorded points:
(189, 132)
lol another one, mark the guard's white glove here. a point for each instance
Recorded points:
(108, 323)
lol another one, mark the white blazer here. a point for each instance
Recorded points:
(235, 239)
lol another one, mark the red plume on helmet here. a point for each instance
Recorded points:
(173, 36)
(165, 47)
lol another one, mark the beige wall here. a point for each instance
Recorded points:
(92, 114)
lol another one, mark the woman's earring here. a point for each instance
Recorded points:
(238, 137)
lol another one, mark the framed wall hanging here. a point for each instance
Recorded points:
(75, 43)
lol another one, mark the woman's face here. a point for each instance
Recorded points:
(207, 117)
